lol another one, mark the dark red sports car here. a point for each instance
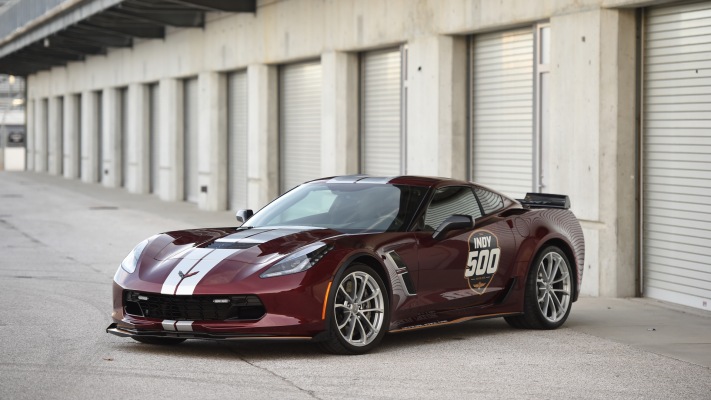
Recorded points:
(344, 260)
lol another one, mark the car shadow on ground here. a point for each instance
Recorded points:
(256, 350)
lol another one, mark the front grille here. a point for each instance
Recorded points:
(193, 308)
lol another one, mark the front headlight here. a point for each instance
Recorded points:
(303, 259)
(129, 263)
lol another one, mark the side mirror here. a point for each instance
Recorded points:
(243, 215)
(453, 222)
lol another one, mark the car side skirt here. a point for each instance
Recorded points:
(450, 322)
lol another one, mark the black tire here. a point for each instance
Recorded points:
(161, 341)
(555, 291)
(349, 315)
(515, 321)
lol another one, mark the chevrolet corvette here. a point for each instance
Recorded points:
(342, 261)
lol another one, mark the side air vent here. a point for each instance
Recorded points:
(396, 262)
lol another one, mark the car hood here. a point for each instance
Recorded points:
(222, 253)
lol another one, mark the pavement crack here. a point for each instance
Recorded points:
(34, 240)
(310, 393)
(31, 238)
(91, 267)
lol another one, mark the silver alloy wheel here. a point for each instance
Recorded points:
(553, 284)
(359, 308)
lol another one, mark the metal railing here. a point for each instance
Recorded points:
(19, 13)
(12, 93)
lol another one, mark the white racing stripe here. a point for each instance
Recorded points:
(177, 326)
(184, 326)
(169, 325)
(210, 261)
(191, 258)
(198, 262)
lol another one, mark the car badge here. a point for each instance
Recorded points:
(188, 275)
(484, 255)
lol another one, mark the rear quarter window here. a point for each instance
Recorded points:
(449, 201)
(490, 201)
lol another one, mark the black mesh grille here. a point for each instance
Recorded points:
(231, 245)
(193, 308)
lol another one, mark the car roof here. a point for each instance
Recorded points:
(410, 180)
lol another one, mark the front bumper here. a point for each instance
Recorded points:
(293, 306)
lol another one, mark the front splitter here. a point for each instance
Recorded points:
(123, 332)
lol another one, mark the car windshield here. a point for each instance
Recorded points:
(345, 207)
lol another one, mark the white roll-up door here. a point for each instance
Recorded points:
(381, 112)
(237, 140)
(299, 123)
(123, 131)
(502, 110)
(190, 123)
(153, 140)
(677, 154)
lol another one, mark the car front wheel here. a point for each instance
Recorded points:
(549, 287)
(359, 312)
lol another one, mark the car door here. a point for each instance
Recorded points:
(467, 267)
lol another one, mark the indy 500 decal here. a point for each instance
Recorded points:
(483, 261)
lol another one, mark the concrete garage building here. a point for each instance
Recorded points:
(229, 103)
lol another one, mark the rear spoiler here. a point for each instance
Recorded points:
(545, 200)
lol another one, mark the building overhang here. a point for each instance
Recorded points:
(75, 29)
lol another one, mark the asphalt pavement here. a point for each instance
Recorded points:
(61, 242)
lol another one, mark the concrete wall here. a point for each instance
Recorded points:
(590, 154)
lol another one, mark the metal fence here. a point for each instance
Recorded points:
(17, 13)
(12, 93)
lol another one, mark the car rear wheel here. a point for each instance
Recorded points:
(158, 340)
(549, 286)
(359, 312)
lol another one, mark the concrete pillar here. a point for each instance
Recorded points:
(435, 100)
(421, 109)
(71, 150)
(571, 163)
(619, 270)
(262, 135)
(171, 182)
(111, 140)
(41, 126)
(452, 107)
(90, 137)
(212, 146)
(30, 135)
(54, 136)
(591, 148)
(339, 114)
(138, 157)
